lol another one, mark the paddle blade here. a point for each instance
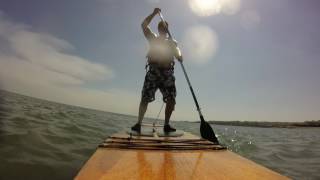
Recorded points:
(207, 132)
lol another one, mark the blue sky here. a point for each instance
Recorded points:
(252, 60)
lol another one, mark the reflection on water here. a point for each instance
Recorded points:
(45, 140)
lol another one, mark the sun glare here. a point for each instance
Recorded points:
(200, 44)
(212, 7)
(205, 7)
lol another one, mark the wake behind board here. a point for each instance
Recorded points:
(122, 156)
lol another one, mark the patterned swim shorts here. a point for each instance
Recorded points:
(159, 78)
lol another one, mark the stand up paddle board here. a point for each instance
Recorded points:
(179, 155)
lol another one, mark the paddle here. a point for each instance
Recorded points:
(205, 129)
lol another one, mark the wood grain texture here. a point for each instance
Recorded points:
(116, 164)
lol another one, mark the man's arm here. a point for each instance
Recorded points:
(177, 52)
(145, 24)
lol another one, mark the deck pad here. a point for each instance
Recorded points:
(146, 133)
(177, 133)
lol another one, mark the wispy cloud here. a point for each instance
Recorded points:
(43, 58)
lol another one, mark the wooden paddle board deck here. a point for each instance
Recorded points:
(186, 157)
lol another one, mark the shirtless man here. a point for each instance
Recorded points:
(162, 51)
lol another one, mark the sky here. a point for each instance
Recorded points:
(251, 60)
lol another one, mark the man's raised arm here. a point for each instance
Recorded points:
(176, 50)
(145, 24)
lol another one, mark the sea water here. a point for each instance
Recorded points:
(40, 139)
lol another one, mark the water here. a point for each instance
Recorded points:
(45, 140)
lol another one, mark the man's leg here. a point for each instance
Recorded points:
(168, 90)
(169, 108)
(142, 110)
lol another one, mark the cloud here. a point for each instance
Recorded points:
(43, 58)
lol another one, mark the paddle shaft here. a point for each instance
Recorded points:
(186, 76)
(192, 92)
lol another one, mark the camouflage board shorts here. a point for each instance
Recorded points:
(159, 78)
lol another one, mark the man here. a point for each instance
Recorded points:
(161, 70)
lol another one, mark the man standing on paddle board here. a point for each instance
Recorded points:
(160, 74)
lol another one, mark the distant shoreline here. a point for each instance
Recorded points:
(313, 123)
